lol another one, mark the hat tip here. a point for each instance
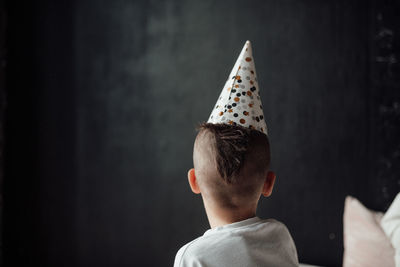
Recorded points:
(248, 42)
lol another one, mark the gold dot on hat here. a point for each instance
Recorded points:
(248, 59)
(249, 93)
(236, 99)
(229, 88)
(221, 113)
(242, 121)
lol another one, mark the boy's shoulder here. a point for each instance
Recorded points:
(240, 242)
(181, 254)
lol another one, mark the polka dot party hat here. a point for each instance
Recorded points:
(239, 102)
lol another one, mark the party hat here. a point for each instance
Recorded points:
(239, 102)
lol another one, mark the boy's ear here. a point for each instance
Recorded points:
(269, 184)
(193, 181)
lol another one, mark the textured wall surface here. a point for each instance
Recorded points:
(104, 97)
(385, 103)
(2, 109)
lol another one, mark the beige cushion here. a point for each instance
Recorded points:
(365, 242)
(391, 225)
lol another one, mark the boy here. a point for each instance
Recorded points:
(231, 171)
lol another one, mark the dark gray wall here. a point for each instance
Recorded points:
(2, 109)
(104, 97)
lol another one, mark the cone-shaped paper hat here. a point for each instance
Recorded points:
(239, 102)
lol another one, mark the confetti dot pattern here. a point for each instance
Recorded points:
(241, 96)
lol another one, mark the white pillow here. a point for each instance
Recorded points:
(365, 243)
(391, 225)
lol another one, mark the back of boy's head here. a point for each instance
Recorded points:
(231, 163)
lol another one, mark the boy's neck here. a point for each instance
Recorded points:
(218, 216)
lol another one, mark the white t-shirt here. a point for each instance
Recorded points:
(251, 242)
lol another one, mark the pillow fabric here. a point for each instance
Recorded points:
(391, 225)
(365, 242)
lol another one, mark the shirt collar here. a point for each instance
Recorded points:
(234, 225)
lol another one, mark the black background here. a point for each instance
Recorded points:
(103, 98)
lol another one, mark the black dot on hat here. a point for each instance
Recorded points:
(257, 119)
(235, 115)
(260, 107)
(239, 81)
(229, 98)
(261, 117)
(229, 106)
(238, 94)
(233, 91)
(243, 93)
(234, 105)
(253, 88)
(234, 123)
(225, 110)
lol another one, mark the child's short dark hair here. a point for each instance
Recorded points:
(234, 145)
